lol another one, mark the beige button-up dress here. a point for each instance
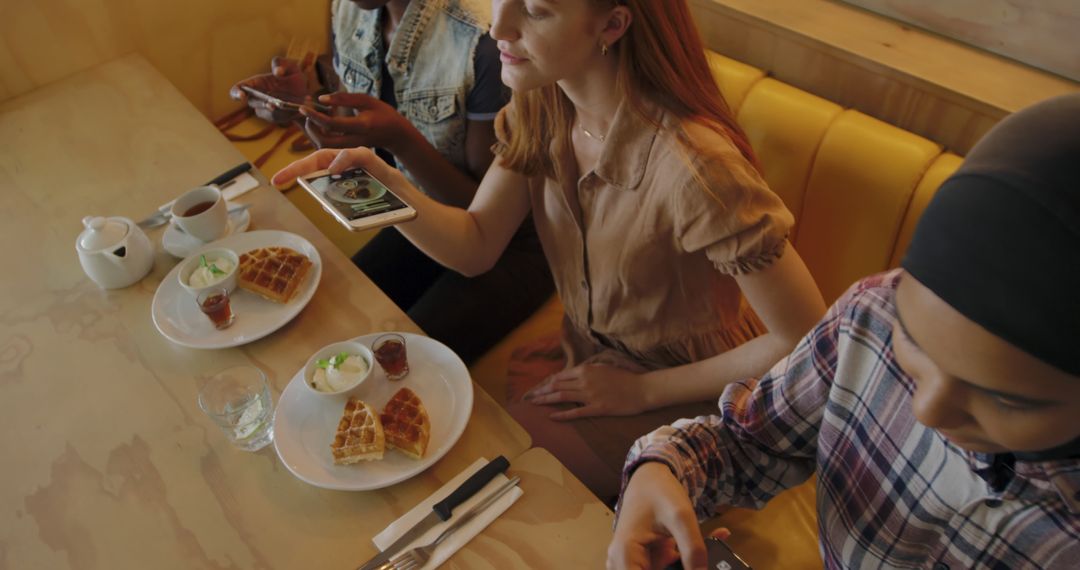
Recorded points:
(644, 247)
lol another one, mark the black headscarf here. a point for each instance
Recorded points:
(1000, 240)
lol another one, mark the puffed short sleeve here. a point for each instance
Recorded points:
(725, 209)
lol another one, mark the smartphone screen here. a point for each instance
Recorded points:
(355, 194)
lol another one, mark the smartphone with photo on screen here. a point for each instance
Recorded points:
(357, 199)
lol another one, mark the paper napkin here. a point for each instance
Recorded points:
(241, 185)
(461, 536)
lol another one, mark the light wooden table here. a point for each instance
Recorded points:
(557, 522)
(108, 461)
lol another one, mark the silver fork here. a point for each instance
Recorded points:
(417, 557)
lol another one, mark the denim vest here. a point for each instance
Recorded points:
(430, 61)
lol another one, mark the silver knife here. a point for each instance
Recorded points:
(478, 508)
(442, 510)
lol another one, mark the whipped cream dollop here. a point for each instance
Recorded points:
(205, 275)
(337, 377)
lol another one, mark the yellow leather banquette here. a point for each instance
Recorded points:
(856, 186)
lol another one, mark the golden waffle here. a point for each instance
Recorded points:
(359, 434)
(273, 272)
(406, 423)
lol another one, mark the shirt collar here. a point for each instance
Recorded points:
(1062, 475)
(629, 141)
(401, 53)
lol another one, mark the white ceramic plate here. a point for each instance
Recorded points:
(305, 423)
(179, 319)
(180, 244)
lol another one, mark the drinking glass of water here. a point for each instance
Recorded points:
(238, 400)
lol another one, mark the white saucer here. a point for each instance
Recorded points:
(178, 318)
(180, 244)
(305, 423)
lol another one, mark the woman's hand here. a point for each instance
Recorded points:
(372, 123)
(340, 160)
(286, 81)
(657, 525)
(601, 389)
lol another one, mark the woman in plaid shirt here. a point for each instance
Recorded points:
(938, 403)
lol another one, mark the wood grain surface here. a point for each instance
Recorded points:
(557, 523)
(946, 91)
(108, 461)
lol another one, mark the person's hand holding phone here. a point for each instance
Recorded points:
(285, 81)
(372, 123)
(657, 524)
(337, 161)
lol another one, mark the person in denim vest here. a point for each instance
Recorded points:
(421, 81)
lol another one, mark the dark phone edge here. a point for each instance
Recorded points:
(283, 104)
(728, 555)
(324, 109)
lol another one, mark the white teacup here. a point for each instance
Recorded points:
(206, 223)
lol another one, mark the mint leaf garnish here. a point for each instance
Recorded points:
(334, 362)
(202, 261)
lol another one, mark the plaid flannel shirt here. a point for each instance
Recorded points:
(891, 493)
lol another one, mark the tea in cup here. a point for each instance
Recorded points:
(202, 213)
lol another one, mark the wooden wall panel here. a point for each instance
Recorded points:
(943, 90)
(1038, 32)
(202, 46)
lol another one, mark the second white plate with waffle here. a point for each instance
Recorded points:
(178, 318)
(305, 423)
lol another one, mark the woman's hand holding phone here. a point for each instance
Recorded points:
(336, 161)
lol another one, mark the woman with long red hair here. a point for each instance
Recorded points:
(668, 250)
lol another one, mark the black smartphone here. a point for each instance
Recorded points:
(721, 557)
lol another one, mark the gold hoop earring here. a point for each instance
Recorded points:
(603, 48)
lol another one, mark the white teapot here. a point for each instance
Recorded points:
(114, 252)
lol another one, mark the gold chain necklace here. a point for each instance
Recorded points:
(599, 138)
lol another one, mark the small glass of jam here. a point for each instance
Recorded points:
(390, 352)
(214, 303)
